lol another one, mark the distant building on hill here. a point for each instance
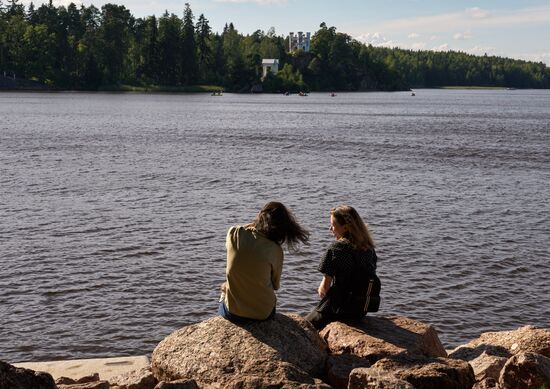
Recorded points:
(269, 65)
(299, 41)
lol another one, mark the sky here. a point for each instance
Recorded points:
(509, 28)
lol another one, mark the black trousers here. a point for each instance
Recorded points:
(321, 319)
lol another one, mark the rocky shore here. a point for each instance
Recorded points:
(287, 352)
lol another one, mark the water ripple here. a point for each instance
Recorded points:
(115, 208)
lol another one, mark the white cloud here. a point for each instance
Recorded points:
(470, 17)
(56, 3)
(376, 39)
(535, 57)
(462, 36)
(477, 13)
(543, 57)
(443, 47)
(413, 35)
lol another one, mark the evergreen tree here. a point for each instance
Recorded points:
(114, 38)
(169, 65)
(189, 48)
(151, 49)
(15, 9)
(32, 17)
(204, 51)
(75, 27)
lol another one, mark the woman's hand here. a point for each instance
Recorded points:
(324, 286)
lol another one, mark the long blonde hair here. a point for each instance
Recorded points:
(357, 231)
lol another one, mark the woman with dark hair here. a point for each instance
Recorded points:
(255, 263)
(348, 267)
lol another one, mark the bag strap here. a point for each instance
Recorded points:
(368, 294)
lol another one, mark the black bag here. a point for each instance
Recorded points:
(372, 302)
(352, 303)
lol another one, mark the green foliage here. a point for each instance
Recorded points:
(79, 47)
(287, 79)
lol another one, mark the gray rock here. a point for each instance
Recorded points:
(375, 338)
(12, 377)
(216, 351)
(526, 371)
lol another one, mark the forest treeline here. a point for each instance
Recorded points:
(79, 47)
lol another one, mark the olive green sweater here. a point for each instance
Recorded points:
(253, 273)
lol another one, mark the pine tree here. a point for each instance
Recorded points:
(150, 53)
(169, 46)
(204, 52)
(189, 48)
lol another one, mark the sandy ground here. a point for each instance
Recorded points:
(78, 368)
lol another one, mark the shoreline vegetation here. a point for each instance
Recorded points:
(35, 86)
(108, 49)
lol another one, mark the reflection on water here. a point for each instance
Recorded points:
(114, 207)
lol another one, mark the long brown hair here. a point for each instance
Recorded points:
(357, 231)
(277, 223)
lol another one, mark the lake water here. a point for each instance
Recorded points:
(114, 208)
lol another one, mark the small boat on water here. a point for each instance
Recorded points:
(302, 93)
(413, 94)
(217, 93)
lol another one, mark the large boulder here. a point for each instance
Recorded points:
(216, 351)
(12, 377)
(426, 373)
(375, 338)
(506, 343)
(526, 371)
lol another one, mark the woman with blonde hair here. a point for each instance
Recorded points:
(349, 270)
